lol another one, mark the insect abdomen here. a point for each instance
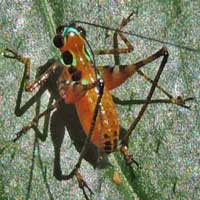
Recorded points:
(106, 132)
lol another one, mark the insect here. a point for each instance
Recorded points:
(81, 90)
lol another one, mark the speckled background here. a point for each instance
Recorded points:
(174, 172)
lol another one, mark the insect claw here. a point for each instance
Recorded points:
(187, 107)
(129, 18)
(18, 135)
(181, 101)
(136, 163)
(127, 156)
(130, 160)
(23, 131)
(190, 99)
(125, 21)
(83, 185)
(10, 54)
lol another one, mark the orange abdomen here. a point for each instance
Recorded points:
(106, 132)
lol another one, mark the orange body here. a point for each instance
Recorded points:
(106, 132)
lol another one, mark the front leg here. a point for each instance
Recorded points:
(36, 98)
(21, 109)
(71, 90)
(27, 64)
(116, 50)
(29, 87)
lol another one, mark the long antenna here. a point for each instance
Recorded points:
(140, 36)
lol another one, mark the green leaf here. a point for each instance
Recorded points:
(165, 143)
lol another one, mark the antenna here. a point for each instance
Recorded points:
(140, 36)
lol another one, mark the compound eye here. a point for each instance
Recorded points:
(81, 31)
(67, 58)
(58, 41)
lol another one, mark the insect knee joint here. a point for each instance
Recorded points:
(165, 51)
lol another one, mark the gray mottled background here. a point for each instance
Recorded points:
(174, 172)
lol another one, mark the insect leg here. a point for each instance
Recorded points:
(71, 91)
(115, 76)
(20, 110)
(124, 147)
(29, 87)
(180, 101)
(116, 50)
(153, 101)
(83, 184)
